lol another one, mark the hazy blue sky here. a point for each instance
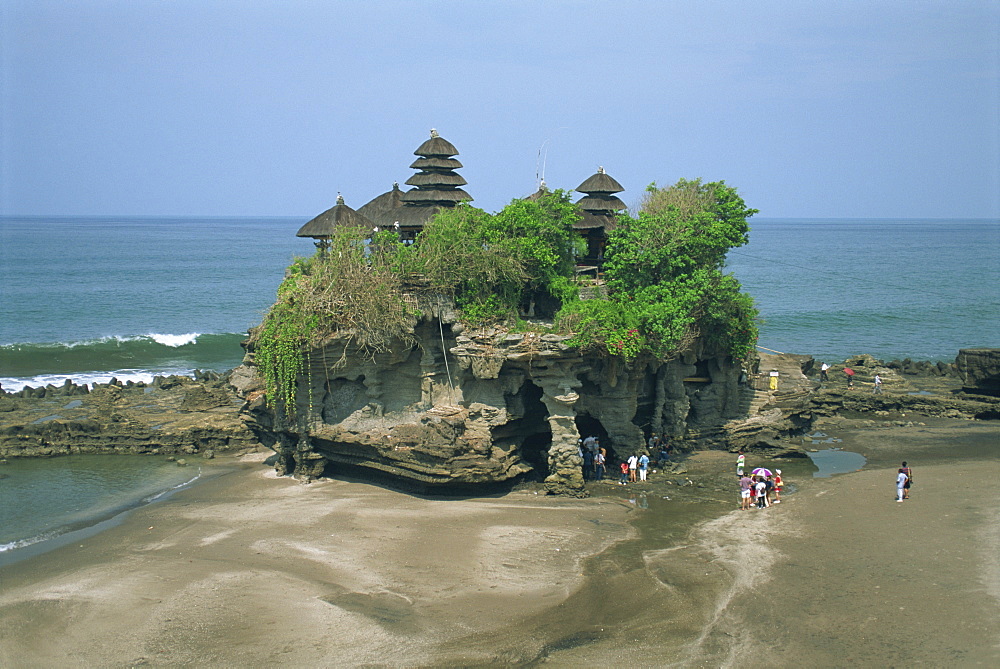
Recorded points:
(254, 107)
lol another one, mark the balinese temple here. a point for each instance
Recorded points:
(599, 207)
(435, 187)
(340, 215)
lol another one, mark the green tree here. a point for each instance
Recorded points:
(679, 229)
(665, 279)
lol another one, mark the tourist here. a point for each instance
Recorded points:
(643, 466)
(760, 489)
(768, 488)
(850, 378)
(901, 479)
(588, 463)
(909, 480)
(877, 386)
(745, 483)
(823, 369)
(599, 468)
(778, 485)
(633, 464)
(653, 443)
(741, 462)
(664, 455)
(590, 444)
(624, 478)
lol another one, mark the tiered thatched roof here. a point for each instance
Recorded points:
(436, 184)
(599, 204)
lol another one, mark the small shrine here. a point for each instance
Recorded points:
(322, 228)
(599, 209)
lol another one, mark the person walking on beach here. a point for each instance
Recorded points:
(745, 483)
(823, 369)
(778, 485)
(643, 466)
(633, 463)
(900, 483)
(741, 461)
(877, 385)
(909, 480)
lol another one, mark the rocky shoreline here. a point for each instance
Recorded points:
(209, 414)
(170, 416)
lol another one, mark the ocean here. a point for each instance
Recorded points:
(101, 297)
(92, 298)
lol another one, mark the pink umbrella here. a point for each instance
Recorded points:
(848, 371)
(761, 471)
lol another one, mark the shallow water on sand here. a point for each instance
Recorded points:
(91, 488)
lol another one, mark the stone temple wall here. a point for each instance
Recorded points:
(465, 408)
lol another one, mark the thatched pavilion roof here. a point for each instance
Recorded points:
(419, 196)
(436, 146)
(542, 191)
(436, 164)
(338, 216)
(594, 220)
(435, 179)
(601, 203)
(600, 183)
(378, 209)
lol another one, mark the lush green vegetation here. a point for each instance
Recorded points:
(666, 287)
(664, 276)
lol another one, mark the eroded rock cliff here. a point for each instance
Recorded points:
(462, 407)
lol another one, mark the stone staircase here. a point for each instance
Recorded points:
(753, 400)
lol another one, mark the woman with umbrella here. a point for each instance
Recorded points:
(850, 377)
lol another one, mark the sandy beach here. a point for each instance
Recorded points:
(251, 570)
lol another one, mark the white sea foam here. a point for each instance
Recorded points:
(173, 340)
(14, 384)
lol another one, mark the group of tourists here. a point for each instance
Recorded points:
(594, 459)
(633, 469)
(849, 373)
(759, 489)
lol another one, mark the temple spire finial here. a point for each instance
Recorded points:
(340, 198)
(434, 133)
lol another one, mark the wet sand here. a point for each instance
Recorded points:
(250, 570)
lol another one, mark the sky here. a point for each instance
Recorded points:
(848, 109)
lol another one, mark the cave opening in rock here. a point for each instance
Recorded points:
(588, 426)
(529, 433)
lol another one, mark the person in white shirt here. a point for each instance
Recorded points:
(900, 483)
(633, 464)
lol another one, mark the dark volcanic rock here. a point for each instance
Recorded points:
(980, 370)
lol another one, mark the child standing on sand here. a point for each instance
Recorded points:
(624, 478)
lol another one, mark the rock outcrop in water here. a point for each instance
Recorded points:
(464, 407)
